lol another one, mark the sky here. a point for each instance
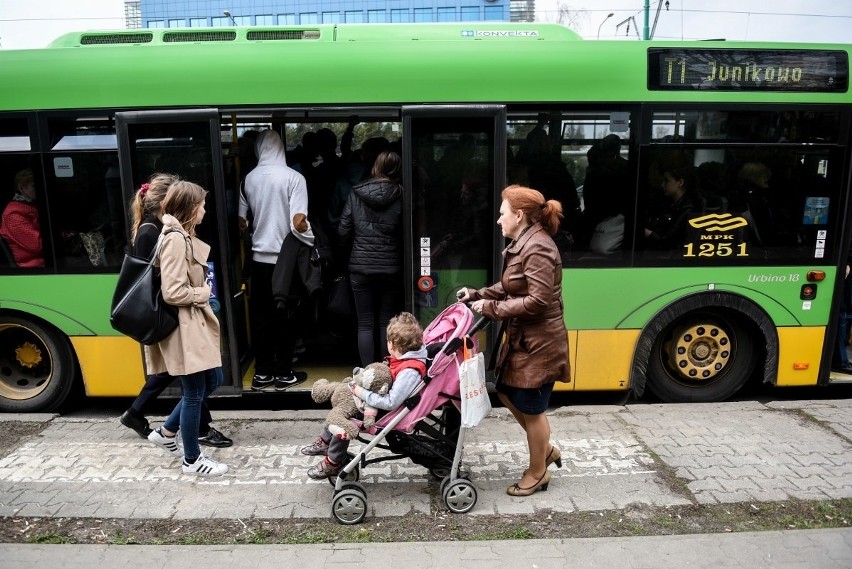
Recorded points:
(734, 20)
(26, 24)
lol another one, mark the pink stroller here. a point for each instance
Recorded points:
(425, 428)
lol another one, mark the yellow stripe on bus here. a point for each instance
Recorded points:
(112, 365)
(603, 363)
(799, 353)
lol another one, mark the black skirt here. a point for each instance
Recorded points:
(531, 401)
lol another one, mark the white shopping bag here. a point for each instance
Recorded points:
(475, 404)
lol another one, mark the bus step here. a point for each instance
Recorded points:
(839, 378)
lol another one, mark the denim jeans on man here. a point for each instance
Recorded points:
(187, 413)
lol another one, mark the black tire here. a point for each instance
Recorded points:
(37, 367)
(460, 496)
(349, 507)
(701, 357)
(439, 473)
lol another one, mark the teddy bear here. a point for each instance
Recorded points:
(344, 405)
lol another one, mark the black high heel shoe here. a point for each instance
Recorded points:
(542, 484)
(554, 456)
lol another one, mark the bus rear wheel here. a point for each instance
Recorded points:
(701, 357)
(36, 366)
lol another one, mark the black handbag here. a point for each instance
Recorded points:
(138, 309)
(340, 299)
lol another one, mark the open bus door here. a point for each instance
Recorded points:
(187, 143)
(455, 169)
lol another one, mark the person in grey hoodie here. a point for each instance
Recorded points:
(372, 223)
(278, 199)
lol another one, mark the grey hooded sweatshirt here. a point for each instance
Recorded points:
(274, 193)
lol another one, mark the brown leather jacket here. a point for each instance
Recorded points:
(529, 298)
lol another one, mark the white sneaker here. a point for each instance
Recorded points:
(205, 466)
(169, 444)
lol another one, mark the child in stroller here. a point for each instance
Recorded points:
(407, 363)
(424, 428)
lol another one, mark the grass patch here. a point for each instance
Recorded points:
(51, 538)
(512, 533)
(634, 520)
(121, 539)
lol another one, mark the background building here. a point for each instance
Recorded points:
(183, 13)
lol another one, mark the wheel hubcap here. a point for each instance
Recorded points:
(700, 352)
(25, 364)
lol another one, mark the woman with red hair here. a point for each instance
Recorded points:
(533, 351)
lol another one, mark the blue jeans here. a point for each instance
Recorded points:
(186, 415)
(843, 327)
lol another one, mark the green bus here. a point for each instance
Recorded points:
(705, 187)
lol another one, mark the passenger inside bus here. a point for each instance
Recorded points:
(666, 228)
(751, 200)
(270, 189)
(371, 228)
(547, 173)
(20, 223)
(466, 245)
(606, 197)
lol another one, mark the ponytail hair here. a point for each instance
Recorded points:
(148, 200)
(535, 207)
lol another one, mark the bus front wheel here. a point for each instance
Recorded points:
(36, 366)
(701, 357)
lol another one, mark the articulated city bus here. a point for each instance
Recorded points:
(705, 188)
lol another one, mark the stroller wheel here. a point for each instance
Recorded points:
(439, 473)
(353, 476)
(444, 481)
(352, 486)
(459, 496)
(349, 506)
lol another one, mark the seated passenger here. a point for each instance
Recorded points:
(667, 230)
(752, 193)
(20, 223)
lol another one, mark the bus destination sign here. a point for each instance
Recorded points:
(686, 69)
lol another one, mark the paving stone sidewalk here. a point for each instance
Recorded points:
(613, 456)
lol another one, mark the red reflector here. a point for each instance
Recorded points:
(816, 275)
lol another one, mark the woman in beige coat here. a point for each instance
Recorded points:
(191, 352)
(534, 352)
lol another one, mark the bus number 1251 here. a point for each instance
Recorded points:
(716, 250)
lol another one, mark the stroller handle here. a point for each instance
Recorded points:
(454, 344)
(479, 325)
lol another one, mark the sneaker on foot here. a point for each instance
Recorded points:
(283, 382)
(169, 444)
(138, 424)
(204, 466)
(262, 382)
(325, 469)
(318, 448)
(214, 438)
